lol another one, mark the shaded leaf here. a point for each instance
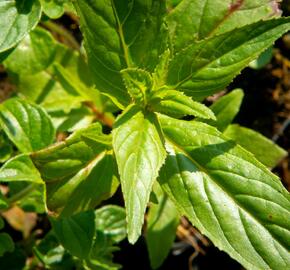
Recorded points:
(162, 222)
(265, 150)
(76, 233)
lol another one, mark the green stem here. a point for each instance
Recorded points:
(54, 27)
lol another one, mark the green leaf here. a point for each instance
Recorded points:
(265, 150)
(28, 126)
(194, 20)
(111, 220)
(139, 84)
(79, 172)
(139, 151)
(17, 18)
(76, 233)
(118, 35)
(161, 70)
(20, 168)
(176, 104)
(225, 109)
(227, 194)
(201, 69)
(53, 8)
(33, 54)
(162, 222)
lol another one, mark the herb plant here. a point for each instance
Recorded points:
(152, 63)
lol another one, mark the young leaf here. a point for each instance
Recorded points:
(28, 126)
(227, 194)
(139, 84)
(198, 19)
(162, 222)
(17, 18)
(176, 104)
(76, 233)
(225, 109)
(118, 35)
(33, 54)
(140, 153)
(265, 150)
(53, 8)
(208, 66)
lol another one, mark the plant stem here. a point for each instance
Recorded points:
(100, 115)
(54, 27)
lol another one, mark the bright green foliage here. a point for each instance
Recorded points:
(138, 83)
(140, 153)
(176, 104)
(27, 125)
(153, 59)
(257, 144)
(53, 8)
(20, 168)
(162, 222)
(227, 194)
(33, 54)
(17, 18)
